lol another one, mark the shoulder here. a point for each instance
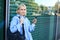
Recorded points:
(15, 17)
(26, 18)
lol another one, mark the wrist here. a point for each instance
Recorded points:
(33, 24)
(21, 23)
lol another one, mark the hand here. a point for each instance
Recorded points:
(34, 20)
(21, 20)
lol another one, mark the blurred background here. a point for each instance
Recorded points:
(1, 19)
(46, 11)
(36, 7)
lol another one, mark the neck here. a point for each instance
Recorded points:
(21, 15)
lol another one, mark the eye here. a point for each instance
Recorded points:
(24, 9)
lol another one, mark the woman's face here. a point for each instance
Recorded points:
(22, 10)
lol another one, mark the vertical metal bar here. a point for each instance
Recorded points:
(56, 29)
(7, 18)
(57, 25)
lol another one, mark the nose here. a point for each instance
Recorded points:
(24, 9)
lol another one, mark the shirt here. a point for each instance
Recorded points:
(15, 25)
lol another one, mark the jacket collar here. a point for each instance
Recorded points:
(20, 15)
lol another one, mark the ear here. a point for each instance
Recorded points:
(17, 11)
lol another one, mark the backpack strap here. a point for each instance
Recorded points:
(19, 17)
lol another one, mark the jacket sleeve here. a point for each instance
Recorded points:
(31, 27)
(15, 25)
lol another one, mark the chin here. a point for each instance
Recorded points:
(23, 15)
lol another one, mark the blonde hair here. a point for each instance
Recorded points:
(20, 6)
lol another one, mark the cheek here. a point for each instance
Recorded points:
(21, 12)
(25, 11)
